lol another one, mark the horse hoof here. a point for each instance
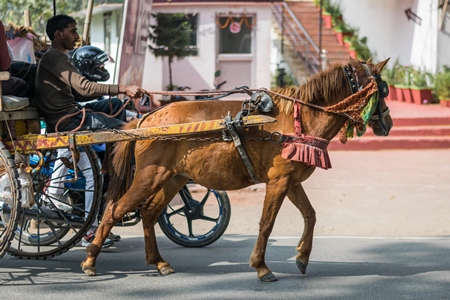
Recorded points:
(269, 277)
(88, 270)
(166, 271)
(301, 266)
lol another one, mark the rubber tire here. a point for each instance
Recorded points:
(204, 239)
(8, 221)
(52, 239)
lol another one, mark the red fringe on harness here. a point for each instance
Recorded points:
(305, 148)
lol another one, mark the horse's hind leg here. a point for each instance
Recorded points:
(141, 189)
(299, 198)
(275, 193)
(150, 212)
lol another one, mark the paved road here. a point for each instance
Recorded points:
(341, 268)
(382, 233)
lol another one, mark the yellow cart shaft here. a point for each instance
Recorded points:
(34, 142)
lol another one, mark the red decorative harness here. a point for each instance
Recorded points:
(312, 150)
(305, 148)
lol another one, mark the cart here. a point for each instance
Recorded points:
(32, 226)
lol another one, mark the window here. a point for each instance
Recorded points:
(192, 19)
(235, 35)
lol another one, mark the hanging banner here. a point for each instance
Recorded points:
(135, 26)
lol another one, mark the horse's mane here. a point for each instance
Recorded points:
(320, 89)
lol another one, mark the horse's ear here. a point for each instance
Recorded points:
(353, 61)
(379, 66)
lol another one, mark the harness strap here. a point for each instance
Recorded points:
(305, 148)
(241, 150)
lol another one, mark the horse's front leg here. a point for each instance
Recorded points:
(275, 193)
(113, 213)
(299, 198)
(150, 212)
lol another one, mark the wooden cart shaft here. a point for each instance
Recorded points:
(34, 142)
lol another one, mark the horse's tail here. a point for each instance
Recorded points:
(120, 174)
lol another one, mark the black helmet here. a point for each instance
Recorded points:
(90, 61)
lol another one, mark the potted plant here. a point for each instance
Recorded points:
(389, 75)
(359, 48)
(335, 11)
(327, 12)
(421, 82)
(342, 31)
(442, 86)
(403, 83)
(326, 16)
(347, 42)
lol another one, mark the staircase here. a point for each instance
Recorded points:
(308, 15)
(415, 127)
(299, 26)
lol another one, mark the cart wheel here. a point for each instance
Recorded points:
(196, 223)
(9, 199)
(45, 231)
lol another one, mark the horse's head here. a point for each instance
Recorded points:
(380, 121)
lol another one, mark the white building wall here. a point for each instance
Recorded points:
(391, 34)
(383, 22)
(443, 53)
(198, 71)
(98, 39)
(424, 46)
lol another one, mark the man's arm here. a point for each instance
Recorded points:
(131, 91)
(63, 69)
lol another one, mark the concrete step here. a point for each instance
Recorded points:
(422, 121)
(415, 131)
(415, 127)
(391, 143)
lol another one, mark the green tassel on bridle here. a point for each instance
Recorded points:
(366, 113)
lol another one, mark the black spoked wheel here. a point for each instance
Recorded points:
(65, 206)
(9, 202)
(196, 223)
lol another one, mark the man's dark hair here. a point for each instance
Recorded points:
(58, 22)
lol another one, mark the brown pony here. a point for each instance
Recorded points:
(164, 166)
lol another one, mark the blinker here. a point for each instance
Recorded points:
(383, 90)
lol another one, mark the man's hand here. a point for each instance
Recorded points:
(132, 91)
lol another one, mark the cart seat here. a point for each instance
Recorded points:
(12, 103)
(16, 116)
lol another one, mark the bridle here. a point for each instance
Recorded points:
(383, 91)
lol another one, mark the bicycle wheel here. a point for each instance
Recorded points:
(196, 223)
(9, 199)
(45, 230)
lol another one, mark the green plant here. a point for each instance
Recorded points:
(360, 46)
(403, 75)
(421, 78)
(284, 78)
(442, 83)
(389, 74)
(325, 4)
(340, 26)
(334, 10)
(171, 38)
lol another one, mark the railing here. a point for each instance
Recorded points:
(304, 47)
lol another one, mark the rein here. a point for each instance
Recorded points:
(84, 110)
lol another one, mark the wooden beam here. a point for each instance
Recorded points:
(443, 13)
